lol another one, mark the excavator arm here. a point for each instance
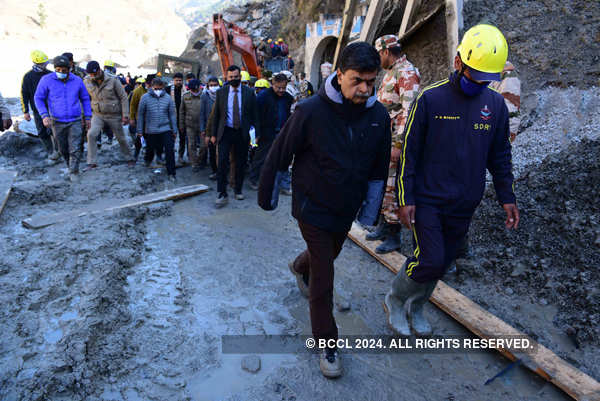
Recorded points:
(229, 38)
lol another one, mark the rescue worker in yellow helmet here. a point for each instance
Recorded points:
(456, 129)
(110, 69)
(261, 85)
(28, 86)
(245, 75)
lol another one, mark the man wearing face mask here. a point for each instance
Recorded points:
(157, 122)
(74, 68)
(189, 123)
(66, 96)
(208, 100)
(456, 129)
(176, 92)
(274, 107)
(340, 141)
(110, 107)
(234, 112)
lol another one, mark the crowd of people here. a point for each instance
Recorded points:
(392, 156)
(72, 106)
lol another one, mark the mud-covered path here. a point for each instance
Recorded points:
(206, 273)
(132, 305)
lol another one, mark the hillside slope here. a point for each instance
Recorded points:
(125, 31)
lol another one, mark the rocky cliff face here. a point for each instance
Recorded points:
(261, 19)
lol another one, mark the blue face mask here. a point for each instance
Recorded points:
(61, 75)
(471, 88)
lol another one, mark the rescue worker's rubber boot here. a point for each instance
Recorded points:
(379, 233)
(404, 291)
(392, 239)
(462, 248)
(418, 322)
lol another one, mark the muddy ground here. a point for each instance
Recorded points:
(132, 305)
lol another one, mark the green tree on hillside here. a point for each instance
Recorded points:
(41, 12)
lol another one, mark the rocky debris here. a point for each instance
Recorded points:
(13, 144)
(551, 259)
(559, 117)
(538, 64)
(251, 363)
(259, 19)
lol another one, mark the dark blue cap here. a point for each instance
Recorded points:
(92, 67)
(194, 84)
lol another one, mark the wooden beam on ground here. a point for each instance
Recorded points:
(40, 221)
(347, 21)
(412, 6)
(420, 23)
(369, 29)
(7, 178)
(543, 362)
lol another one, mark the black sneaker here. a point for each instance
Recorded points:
(213, 177)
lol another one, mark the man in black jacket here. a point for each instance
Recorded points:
(28, 87)
(234, 112)
(274, 105)
(340, 141)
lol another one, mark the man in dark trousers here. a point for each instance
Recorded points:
(274, 105)
(176, 92)
(456, 128)
(340, 141)
(234, 112)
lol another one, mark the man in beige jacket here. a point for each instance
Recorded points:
(109, 106)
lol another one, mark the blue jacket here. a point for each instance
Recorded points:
(450, 140)
(156, 114)
(64, 99)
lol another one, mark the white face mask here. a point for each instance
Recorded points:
(213, 89)
(158, 92)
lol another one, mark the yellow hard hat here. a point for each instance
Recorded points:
(280, 40)
(39, 57)
(484, 50)
(245, 76)
(262, 83)
(109, 63)
(140, 80)
(269, 41)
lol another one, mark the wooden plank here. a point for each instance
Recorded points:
(40, 221)
(420, 23)
(347, 21)
(369, 29)
(7, 178)
(451, 30)
(543, 361)
(411, 8)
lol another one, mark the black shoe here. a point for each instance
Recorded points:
(213, 177)
(392, 240)
(253, 186)
(379, 233)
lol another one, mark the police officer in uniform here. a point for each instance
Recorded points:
(456, 129)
